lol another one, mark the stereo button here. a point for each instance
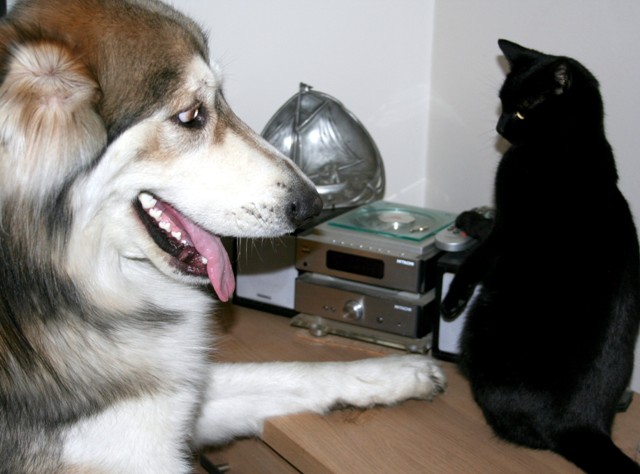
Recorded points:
(353, 310)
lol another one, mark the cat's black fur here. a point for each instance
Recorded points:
(548, 344)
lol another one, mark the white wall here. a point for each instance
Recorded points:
(372, 55)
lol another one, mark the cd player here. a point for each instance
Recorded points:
(383, 244)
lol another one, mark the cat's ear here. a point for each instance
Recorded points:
(562, 77)
(518, 56)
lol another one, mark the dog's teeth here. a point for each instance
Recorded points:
(165, 226)
(204, 260)
(176, 235)
(147, 200)
(155, 213)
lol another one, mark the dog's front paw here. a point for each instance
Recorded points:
(399, 378)
(430, 380)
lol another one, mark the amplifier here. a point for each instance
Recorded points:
(396, 312)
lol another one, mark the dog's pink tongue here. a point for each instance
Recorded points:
(218, 264)
(219, 269)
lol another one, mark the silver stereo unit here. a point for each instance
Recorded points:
(370, 274)
(382, 244)
(396, 312)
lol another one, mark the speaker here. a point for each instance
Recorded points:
(446, 334)
(266, 274)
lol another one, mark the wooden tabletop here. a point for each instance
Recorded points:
(447, 435)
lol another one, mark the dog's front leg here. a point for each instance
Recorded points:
(241, 396)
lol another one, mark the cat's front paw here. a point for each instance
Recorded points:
(452, 306)
(476, 223)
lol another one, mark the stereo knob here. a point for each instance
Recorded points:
(353, 310)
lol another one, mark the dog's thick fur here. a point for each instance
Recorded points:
(109, 111)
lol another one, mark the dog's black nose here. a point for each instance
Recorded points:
(304, 206)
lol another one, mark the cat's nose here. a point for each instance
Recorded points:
(502, 124)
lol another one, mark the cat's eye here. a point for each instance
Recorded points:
(519, 116)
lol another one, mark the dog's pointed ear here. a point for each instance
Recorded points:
(48, 115)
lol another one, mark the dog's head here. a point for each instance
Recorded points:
(168, 168)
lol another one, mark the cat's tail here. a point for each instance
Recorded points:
(594, 452)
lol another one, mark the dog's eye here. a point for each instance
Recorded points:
(189, 115)
(193, 117)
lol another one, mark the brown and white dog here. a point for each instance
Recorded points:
(121, 164)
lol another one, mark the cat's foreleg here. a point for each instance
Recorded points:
(470, 273)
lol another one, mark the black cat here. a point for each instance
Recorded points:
(548, 344)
